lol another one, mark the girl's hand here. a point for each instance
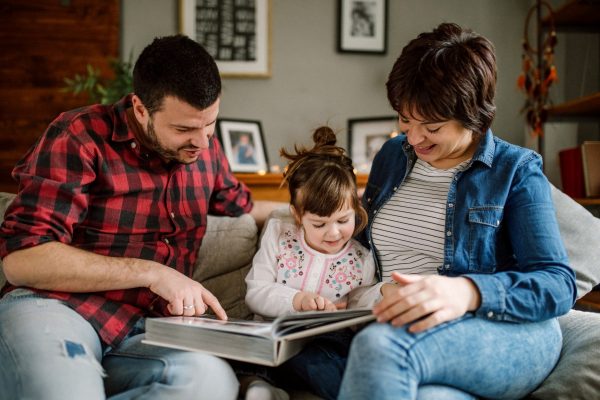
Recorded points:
(427, 299)
(307, 301)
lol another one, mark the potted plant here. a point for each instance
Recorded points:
(103, 90)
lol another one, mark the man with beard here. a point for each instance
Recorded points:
(105, 230)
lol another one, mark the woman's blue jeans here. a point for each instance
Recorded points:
(462, 359)
(49, 351)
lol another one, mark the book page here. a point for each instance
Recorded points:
(308, 320)
(238, 326)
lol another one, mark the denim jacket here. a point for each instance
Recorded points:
(500, 230)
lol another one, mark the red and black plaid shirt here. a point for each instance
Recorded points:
(89, 183)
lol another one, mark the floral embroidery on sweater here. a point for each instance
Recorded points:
(339, 273)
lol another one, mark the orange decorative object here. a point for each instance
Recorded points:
(539, 72)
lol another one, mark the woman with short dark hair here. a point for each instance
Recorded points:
(473, 269)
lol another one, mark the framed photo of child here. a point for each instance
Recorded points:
(243, 144)
(366, 136)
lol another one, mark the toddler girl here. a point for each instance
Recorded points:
(308, 260)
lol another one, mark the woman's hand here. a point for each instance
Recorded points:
(308, 301)
(427, 299)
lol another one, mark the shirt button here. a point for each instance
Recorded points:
(172, 215)
(166, 240)
(133, 145)
(449, 233)
(490, 314)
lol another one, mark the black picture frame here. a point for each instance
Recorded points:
(366, 136)
(362, 26)
(244, 145)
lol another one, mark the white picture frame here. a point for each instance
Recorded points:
(362, 26)
(366, 136)
(243, 144)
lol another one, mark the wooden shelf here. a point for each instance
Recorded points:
(577, 15)
(584, 107)
(267, 186)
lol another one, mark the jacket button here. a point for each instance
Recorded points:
(450, 205)
(449, 233)
(490, 314)
(166, 240)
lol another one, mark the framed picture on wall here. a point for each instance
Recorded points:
(366, 136)
(235, 32)
(243, 144)
(362, 26)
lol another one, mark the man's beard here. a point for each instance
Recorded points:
(153, 144)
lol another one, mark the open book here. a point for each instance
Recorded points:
(259, 342)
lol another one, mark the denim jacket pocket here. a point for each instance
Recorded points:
(484, 224)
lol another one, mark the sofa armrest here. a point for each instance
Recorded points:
(579, 230)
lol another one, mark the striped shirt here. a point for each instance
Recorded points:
(408, 231)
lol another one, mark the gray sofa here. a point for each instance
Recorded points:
(230, 243)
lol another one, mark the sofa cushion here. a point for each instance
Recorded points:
(5, 200)
(224, 261)
(229, 243)
(577, 374)
(230, 289)
(580, 231)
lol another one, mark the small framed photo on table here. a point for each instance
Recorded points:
(366, 136)
(235, 32)
(362, 26)
(243, 144)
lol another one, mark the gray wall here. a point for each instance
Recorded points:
(313, 84)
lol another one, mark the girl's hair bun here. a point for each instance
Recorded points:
(324, 136)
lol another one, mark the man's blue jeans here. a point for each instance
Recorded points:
(48, 351)
(463, 359)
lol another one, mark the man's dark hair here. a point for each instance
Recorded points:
(176, 66)
(449, 73)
